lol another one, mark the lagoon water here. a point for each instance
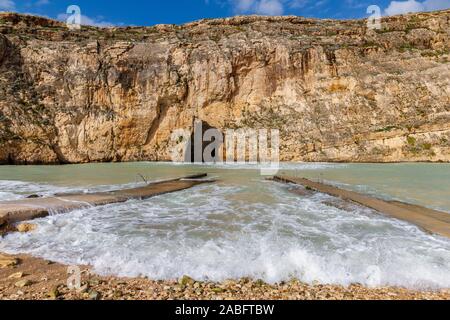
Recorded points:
(241, 226)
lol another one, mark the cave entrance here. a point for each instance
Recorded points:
(205, 144)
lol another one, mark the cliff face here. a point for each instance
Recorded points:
(336, 91)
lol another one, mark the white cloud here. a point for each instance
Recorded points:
(409, 6)
(244, 5)
(263, 7)
(401, 7)
(87, 21)
(7, 5)
(277, 7)
(270, 7)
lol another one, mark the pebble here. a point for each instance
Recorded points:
(94, 295)
(16, 275)
(23, 283)
(217, 290)
(185, 280)
(6, 261)
(83, 289)
(54, 293)
(187, 288)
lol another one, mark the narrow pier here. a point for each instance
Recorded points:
(28, 209)
(432, 221)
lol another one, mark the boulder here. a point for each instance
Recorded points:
(26, 227)
(23, 283)
(7, 261)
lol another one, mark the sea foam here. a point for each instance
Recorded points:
(259, 229)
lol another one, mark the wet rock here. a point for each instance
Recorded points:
(185, 280)
(94, 295)
(6, 261)
(54, 293)
(26, 227)
(259, 283)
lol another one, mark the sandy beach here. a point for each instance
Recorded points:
(29, 278)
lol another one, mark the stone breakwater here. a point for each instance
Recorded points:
(335, 90)
(26, 209)
(429, 220)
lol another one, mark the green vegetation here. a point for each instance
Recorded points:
(411, 140)
(215, 38)
(406, 47)
(331, 33)
(385, 30)
(410, 27)
(426, 146)
(413, 23)
(377, 150)
(417, 148)
(435, 53)
(370, 44)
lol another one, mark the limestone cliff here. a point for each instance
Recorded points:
(336, 90)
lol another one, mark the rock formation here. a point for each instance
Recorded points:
(336, 90)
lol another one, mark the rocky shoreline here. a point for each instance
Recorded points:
(27, 278)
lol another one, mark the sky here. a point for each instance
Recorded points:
(151, 12)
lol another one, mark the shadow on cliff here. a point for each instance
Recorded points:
(190, 156)
(23, 104)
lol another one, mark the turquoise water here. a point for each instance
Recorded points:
(242, 225)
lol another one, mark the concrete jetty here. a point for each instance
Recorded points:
(432, 221)
(28, 209)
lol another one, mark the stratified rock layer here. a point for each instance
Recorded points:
(336, 90)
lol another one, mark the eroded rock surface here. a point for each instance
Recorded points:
(336, 90)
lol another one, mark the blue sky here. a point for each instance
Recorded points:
(150, 12)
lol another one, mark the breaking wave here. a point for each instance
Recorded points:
(227, 230)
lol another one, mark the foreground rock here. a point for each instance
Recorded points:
(26, 227)
(49, 281)
(7, 261)
(336, 90)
